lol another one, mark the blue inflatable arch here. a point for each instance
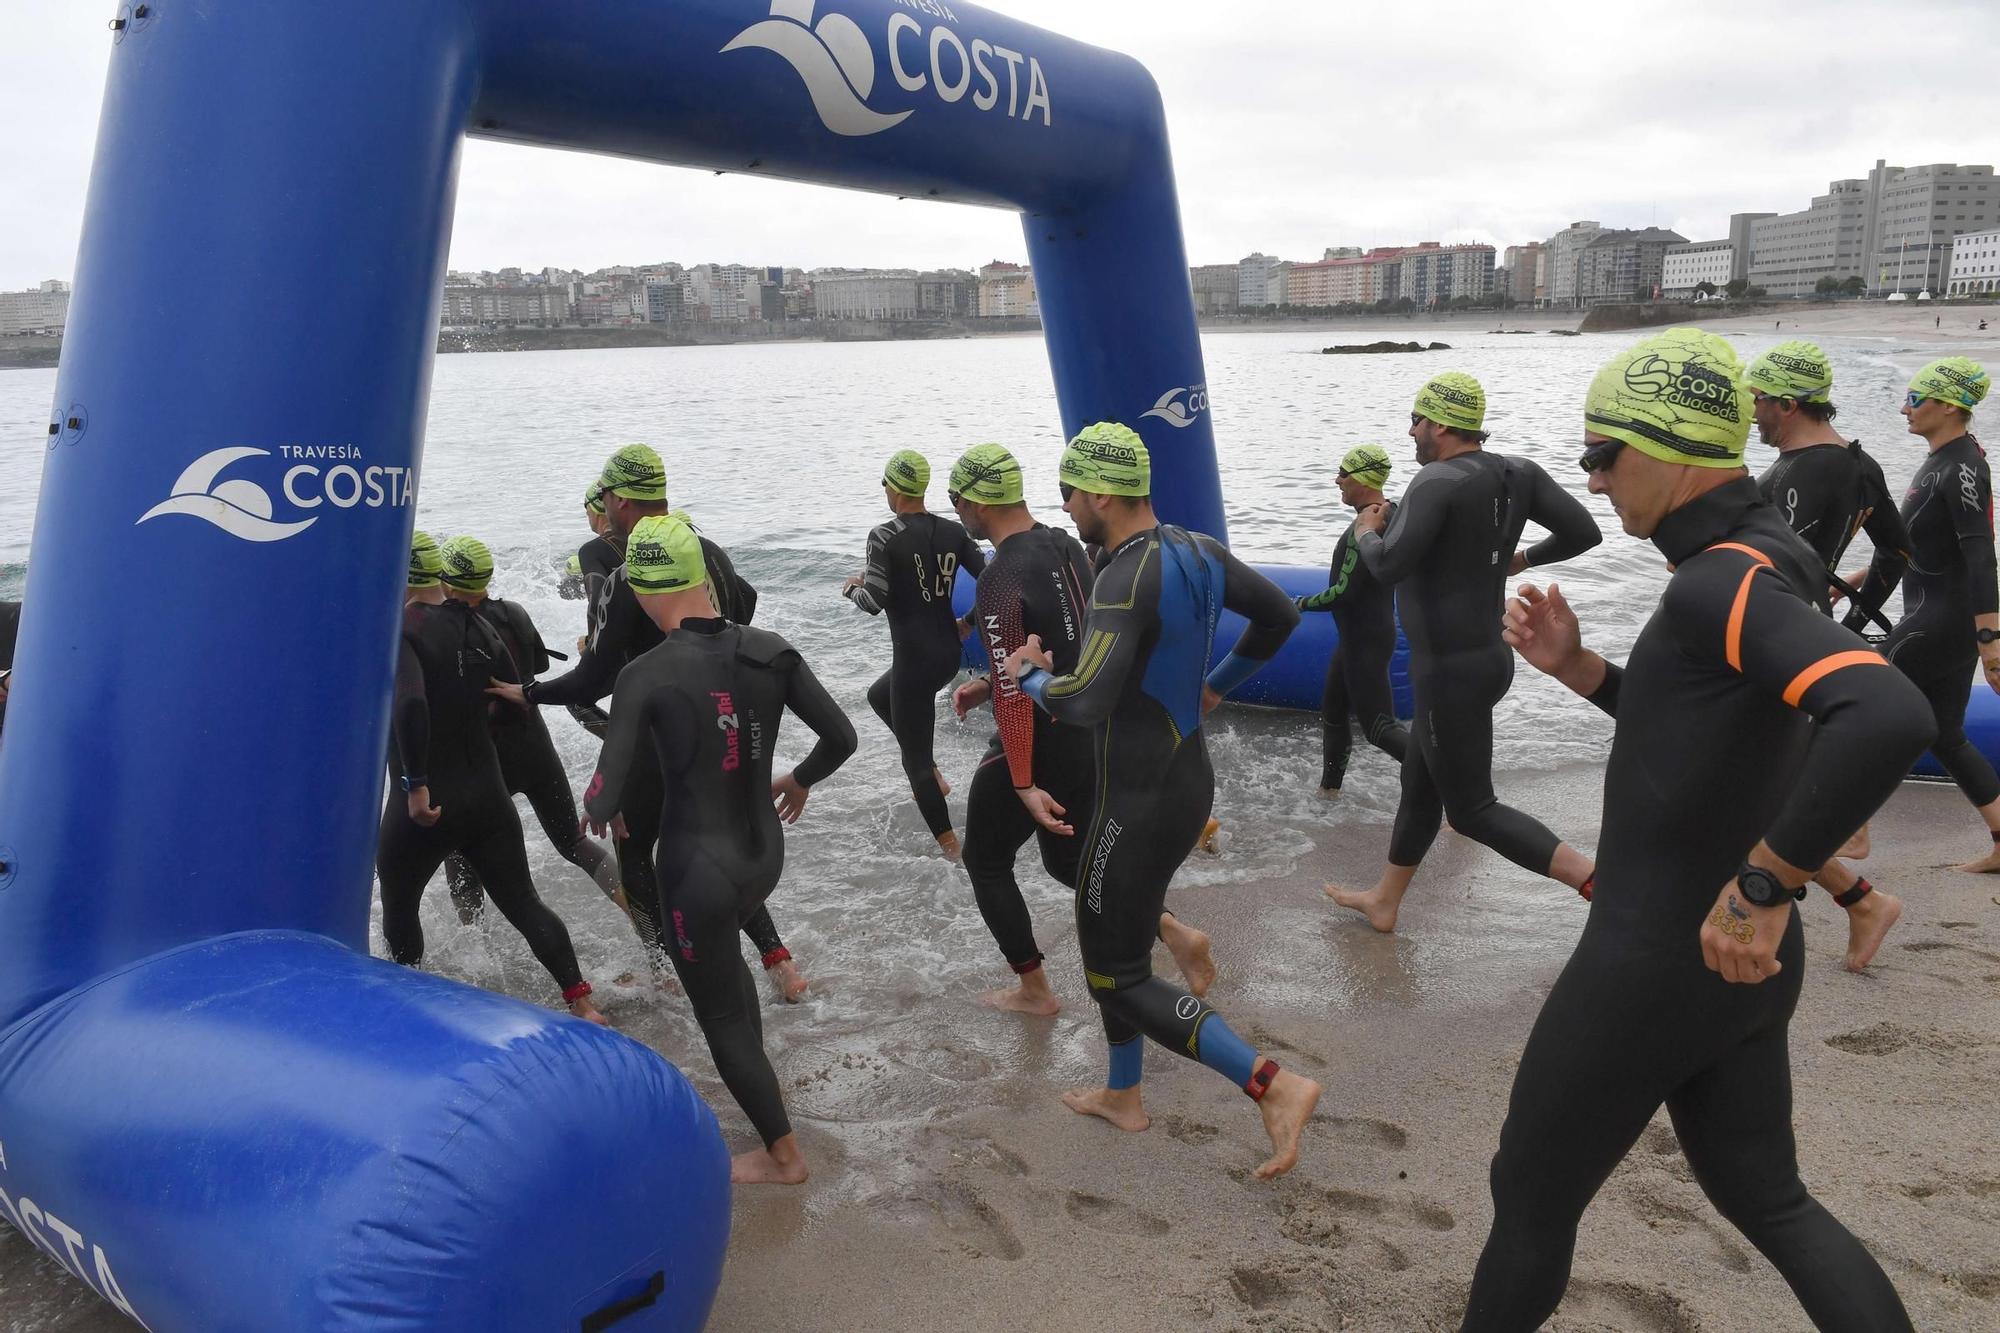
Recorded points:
(215, 1109)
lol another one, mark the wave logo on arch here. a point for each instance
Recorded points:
(240, 508)
(832, 57)
(1179, 407)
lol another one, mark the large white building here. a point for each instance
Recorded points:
(870, 294)
(1975, 264)
(1007, 291)
(1561, 255)
(1893, 229)
(725, 291)
(1687, 265)
(43, 309)
(1260, 281)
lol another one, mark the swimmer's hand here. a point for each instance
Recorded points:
(1028, 654)
(421, 810)
(1543, 630)
(1046, 812)
(1517, 564)
(1209, 699)
(847, 588)
(970, 695)
(789, 795)
(1740, 940)
(964, 629)
(598, 827)
(582, 645)
(1990, 667)
(508, 690)
(1372, 519)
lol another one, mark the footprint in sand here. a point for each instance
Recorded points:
(987, 1153)
(1622, 1306)
(1315, 1214)
(1887, 1038)
(1928, 946)
(1111, 1215)
(967, 1217)
(1670, 1217)
(1363, 1130)
(1260, 1288)
(1185, 1130)
(1660, 1140)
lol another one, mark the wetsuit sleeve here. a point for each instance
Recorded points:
(1872, 723)
(410, 717)
(530, 639)
(807, 698)
(1605, 696)
(1123, 603)
(596, 671)
(1394, 553)
(971, 558)
(1891, 540)
(1572, 530)
(1972, 519)
(873, 594)
(997, 605)
(1262, 603)
(631, 718)
(1324, 599)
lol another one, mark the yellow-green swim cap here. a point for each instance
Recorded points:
(425, 562)
(907, 474)
(467, 564)
(1678, 396)
(1453, 400)
(663, 554)
(636, 473)
(593, 496)
(1368, 464)
(986, 474)
(1794, 369)
(1107, 459)
(1955, 380)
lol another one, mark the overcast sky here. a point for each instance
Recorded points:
(1295, 126)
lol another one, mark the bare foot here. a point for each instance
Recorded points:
(791, 982)
(780, 1164)
(1032, 996)
(1207, 841)
(1190, 948)
(1121, 1108)
(943, 786)
(1287, 1105)
(1986, 864)
(1329, 793)
(1856, 847)
(1378, 904)
(947, 842)
(1868, 922)
(584, 1009)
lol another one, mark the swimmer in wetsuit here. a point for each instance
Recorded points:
(634, 486)
(706, 703)
(1364, 614)
(1449, 550)
(1752, 734)
(594, 561)
(449, 796)
(528, 759)
(1827, 490)
(1951, 607)
(1036, 778)
(1142, 686)
(913, 564)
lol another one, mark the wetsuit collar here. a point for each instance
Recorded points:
(1700, 524)
(704, 624)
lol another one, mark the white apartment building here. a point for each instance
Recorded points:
(1687, 265)
(870, 294)
(1975, 264)
(43, 309)
(1254, 282)
(1007, 290)
(726, 291)
(1560, 258)
(1893, 229)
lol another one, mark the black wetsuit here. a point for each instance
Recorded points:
(1829, 492)
(529, 764)
(10, 630)
(1716, 746)
(1948, 511)
(1357, 675)
(597, 559)
(1446, 549)
(913, 562)
(1037, 583)
(620, 631)
(701, 713)
(1138, 687)
(448, 656)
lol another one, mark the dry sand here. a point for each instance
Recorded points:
(953, 1190)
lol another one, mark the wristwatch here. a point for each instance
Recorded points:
(1761, 888)
(411, 784)
(1987, 636)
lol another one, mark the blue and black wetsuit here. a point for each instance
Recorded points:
(1138, 687)
(1038, 582)
(1948, 511)
(913, 563)
(1357, 675)
(530, 765)
(447, 658)
(1446, 550)
(1742, 714)
(1829, 492)
(701, 711)
(621, 631)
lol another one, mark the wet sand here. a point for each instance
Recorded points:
(953, 1190)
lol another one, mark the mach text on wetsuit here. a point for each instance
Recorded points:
(447, 657)
(697, 716)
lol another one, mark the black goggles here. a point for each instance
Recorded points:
(1597, 457)
(1066, 489)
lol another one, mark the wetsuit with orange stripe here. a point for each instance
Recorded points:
(1743, 714)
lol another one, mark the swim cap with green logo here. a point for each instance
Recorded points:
(636, 473)
(593, 497)
(468, 565)
(1792, 370)
(425, 562)
(1954, 380)
(1107, 459)
(1678, 396)
(663, 554)
(1453, 400)
(1367, 464)
(986, 474)
(907, 474)
(574, 567)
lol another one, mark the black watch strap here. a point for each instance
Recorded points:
(1764, 889)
